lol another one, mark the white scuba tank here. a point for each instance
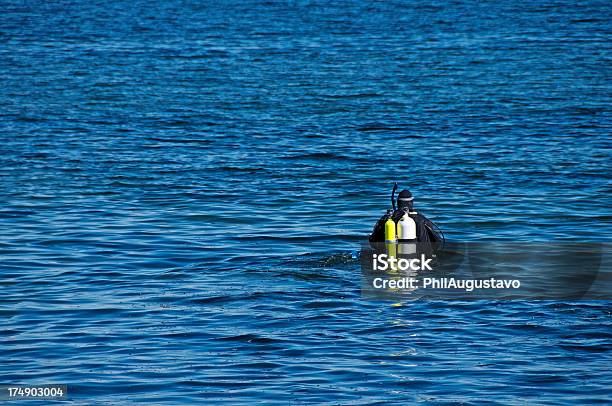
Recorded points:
(406, 229)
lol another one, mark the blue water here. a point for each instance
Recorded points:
(185, 187)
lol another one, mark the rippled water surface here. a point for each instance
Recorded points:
(185, 187)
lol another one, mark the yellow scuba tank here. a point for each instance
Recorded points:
(390, 230)
(391, 237)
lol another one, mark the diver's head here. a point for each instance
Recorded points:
(404, 200)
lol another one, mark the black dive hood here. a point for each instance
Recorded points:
(404, 200)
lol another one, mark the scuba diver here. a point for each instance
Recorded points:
(403, 224)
